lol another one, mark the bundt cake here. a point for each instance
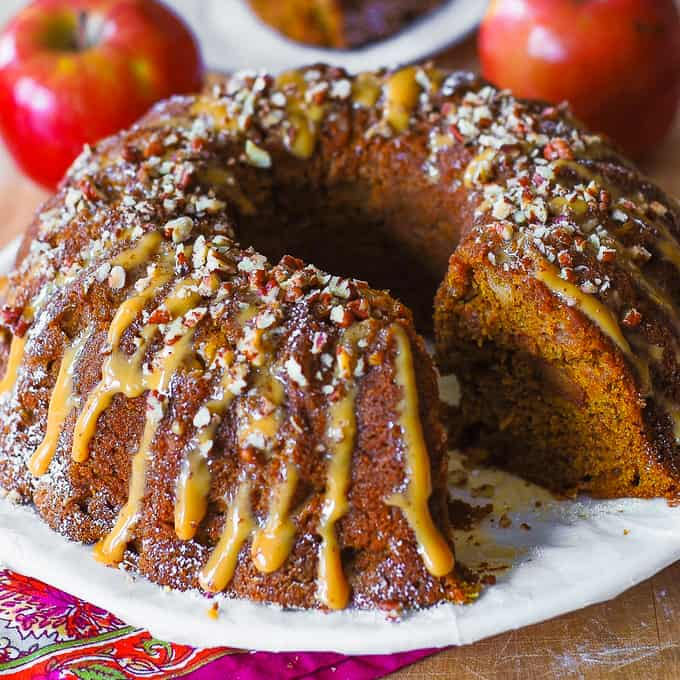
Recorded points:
(214, 420)
(340, 23)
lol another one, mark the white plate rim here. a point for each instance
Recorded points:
(222, 24)
(591, 552)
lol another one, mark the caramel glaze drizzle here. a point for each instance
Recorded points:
(341, 431)
(193, 483)
(666, 244)
(273, 542)
(17, 350)
(599, 314)
(140, 253)
(273, 539)
(122, 373)
(596, 311)
(401, 92)
(255, 423)
(304, 117)
(366, 90)
(413, 502)
(16, 354)
(306, 109)
(669, 249)
(111, 548)
(61, 403)
(193, 488)
(333, 589)
(219, 569)
(62, 399)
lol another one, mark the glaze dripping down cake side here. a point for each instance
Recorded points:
(231, 425)
(216, 420)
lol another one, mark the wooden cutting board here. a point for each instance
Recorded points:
(634, 637)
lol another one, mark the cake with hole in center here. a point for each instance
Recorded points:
(185, 393)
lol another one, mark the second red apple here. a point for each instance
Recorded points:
(617, 62)
(74, 71)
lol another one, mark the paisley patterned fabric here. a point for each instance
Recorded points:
(47, 634)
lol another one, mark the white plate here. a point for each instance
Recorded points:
(575, 553)
(232, 37)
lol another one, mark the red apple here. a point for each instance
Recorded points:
(74, 71)
(617, 62)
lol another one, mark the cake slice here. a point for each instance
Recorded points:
(559, 309)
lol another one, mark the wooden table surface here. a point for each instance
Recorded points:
(636, 636)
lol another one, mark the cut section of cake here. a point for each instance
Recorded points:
(559, 310)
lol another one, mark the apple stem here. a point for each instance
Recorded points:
(88, 33)
(81, 33)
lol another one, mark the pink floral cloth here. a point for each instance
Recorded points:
(47, 634)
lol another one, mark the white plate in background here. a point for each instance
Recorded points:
(232, 37)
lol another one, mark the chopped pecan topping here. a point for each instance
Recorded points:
(556, 149)
(632, 318)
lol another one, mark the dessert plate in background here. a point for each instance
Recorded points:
(232, 37)
(549, 557)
